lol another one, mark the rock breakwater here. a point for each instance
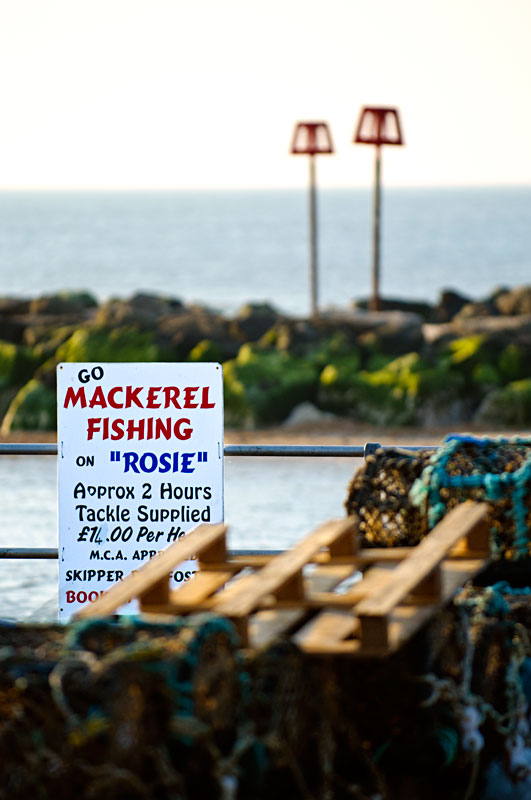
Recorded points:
(411, 364)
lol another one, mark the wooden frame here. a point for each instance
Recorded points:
(329, 596)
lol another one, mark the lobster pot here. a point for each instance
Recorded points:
(400, 496)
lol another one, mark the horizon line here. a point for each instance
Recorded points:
(169, 189)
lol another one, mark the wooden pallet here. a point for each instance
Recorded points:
(329, 596)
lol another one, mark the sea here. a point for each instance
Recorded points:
(224, 249)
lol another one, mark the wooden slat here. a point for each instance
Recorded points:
(214, 551)
(344, 647)
(196, 593)
(232, 590)
(327, 577)
(256, 562)
(155, 570)
(424, 558)
(327, 631)
(371, 554)
(265, 626)
(456, 572)
(373, 579)
(403, 623)
(406, 620)
(382, 635)
(420, 572)
(158, 592)
(328, 628)
(283, 568)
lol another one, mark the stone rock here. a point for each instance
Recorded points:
(513, 327)
(70, 303)
(356, 323)
(32, 328)
(514, 301)
(141, 311)
(298, 336)
(450, 303)
(295, 336)
(438, 334)
(47, 335)
(180, 333)
(420, 308)
(14, 305)
(394, 338)
(12, 327)
(498, 332)
(481, 309)
(434, 412)
(253, 321)
(509, 405)
(305, 414)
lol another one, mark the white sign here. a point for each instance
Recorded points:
(140, 463)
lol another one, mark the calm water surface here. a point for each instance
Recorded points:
(226, 248)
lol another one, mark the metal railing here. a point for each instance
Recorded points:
(313, 450)
(230, 450)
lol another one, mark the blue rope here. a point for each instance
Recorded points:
(427, 491)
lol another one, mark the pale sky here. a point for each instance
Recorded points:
(179, 94)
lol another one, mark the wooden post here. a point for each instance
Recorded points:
(313, 240)
(376, 213)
